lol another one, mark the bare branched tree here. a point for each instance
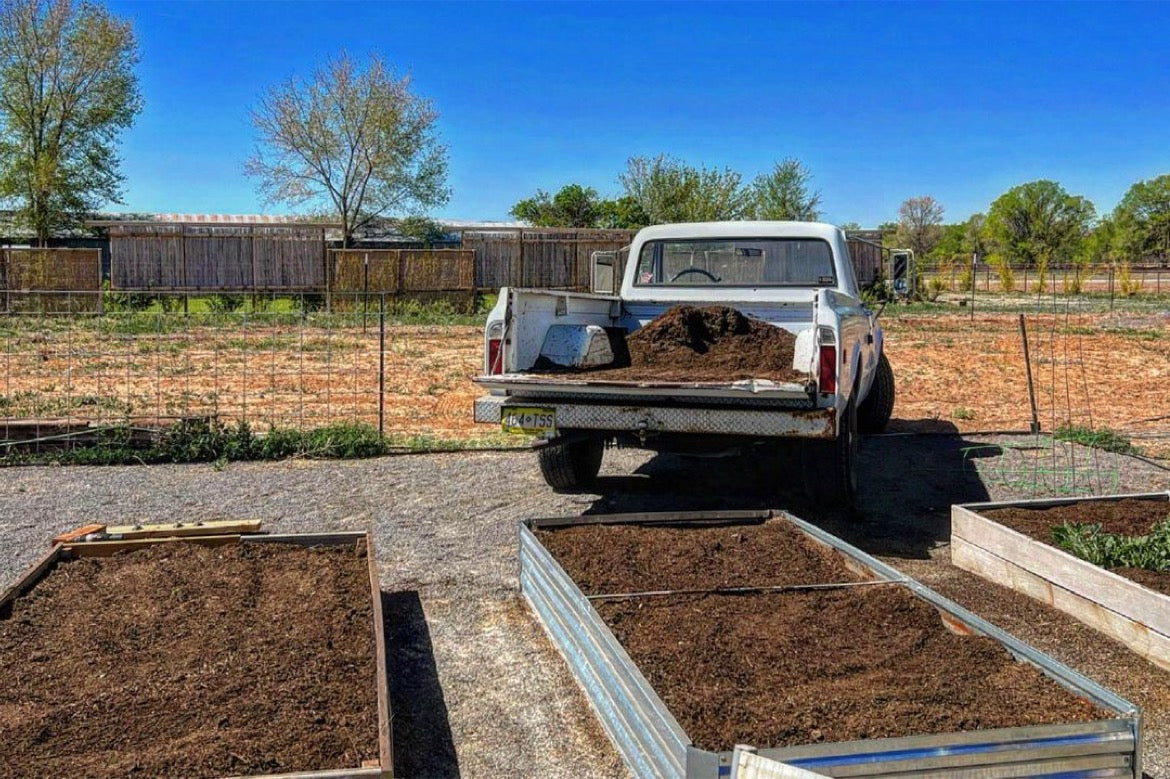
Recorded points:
(355, 140)
(919, 224)
(67, 88)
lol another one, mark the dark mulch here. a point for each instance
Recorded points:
(185, 661)
(802, 667)
(1127, 517)
(716, 343)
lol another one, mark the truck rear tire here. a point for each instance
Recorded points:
(874, 412)
(828, 467)
(571, 465)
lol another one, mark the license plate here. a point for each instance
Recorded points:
(529, 420)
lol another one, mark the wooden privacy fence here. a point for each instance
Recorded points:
(217, 257)
(402, 271)
(528, 257)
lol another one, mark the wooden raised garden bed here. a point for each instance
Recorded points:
(693, 633)
(227, 655)
(1011, 544)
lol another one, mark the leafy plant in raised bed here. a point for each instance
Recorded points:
(1110, 550)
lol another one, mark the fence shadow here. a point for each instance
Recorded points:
(907, 486)
(420, 729)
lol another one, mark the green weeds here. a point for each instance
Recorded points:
(1102, 438)
(1109, 550)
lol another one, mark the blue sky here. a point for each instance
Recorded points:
(880, 101)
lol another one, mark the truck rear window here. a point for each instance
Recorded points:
(739, 262)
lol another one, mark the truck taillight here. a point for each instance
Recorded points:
(828, 375)
(495, 356)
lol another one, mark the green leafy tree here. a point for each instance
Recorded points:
(573, 206)
(67, 89)
(1038, 224)
(668, 190)
(350, 138)
(975, 235)
(621, 213)
(1143, 220)
(919, 224)
(423, 229)
(577, 206)
(783, 194)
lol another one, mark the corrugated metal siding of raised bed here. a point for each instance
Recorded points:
(633, 715)
(654, 745)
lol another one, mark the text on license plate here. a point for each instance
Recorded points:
(530, 420)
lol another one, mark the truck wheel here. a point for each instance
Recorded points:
(874, 412)
(830, 478)
(571, 465)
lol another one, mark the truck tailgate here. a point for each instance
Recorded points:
(529, 385)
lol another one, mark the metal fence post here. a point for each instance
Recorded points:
(382, 365)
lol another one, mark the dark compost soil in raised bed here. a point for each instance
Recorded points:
(690, 344)
(1126, 517)
(179, 660)
(796, 667)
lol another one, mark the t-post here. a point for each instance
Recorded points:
(974, 262)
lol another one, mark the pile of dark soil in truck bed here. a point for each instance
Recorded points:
(180, 660)
(796, 667)
(717, 343)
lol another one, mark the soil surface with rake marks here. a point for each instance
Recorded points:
(796, 667)
(185, 661)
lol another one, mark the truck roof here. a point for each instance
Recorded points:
(740, 230)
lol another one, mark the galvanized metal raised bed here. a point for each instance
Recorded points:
(77, 549)
(1118, 607)
(654, 745)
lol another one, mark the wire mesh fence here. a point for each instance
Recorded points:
(273, 362)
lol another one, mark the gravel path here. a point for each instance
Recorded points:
(477, 690)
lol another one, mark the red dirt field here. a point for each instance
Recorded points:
(953, 373)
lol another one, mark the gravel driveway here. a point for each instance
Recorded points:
(477, 690)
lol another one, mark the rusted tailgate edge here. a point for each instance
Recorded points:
(385, 769)
(653, 744)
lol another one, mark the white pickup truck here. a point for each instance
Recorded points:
(793, 275)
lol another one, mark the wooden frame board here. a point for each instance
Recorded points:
(1118, 607)
(385, 768)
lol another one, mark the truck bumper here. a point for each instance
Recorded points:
(764, 423)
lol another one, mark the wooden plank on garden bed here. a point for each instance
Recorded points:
(384, 764)
(1121, 608)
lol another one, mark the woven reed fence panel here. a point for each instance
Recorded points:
(40, 270)
(217, 258)
(403, 271)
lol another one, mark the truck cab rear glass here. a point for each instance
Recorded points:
(736, 262)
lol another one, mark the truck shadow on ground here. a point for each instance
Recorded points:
(420, 730)
(907, 486)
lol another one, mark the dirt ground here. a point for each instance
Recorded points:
(505, 705)
(794, 667)
(165, 661)
(953, 372)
